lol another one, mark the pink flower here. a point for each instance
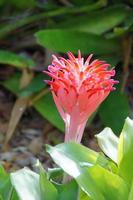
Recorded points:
(78, 89)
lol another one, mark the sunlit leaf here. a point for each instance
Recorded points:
(48, 190)
(62, 156)
(76, 151)
(108, 142)
(84, 196)
(54, 173)
(125, 154)
(111, 185)
(96, 181)
(131, 193)
(67, 191)
(5, 185)
(26, 183)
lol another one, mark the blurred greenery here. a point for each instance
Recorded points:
(92, 175)
(101, 27)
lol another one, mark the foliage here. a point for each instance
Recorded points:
(103, 28)
(94, 176)
(100, 27)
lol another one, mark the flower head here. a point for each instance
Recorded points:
(78, 89)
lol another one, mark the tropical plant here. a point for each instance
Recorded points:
(94, 175)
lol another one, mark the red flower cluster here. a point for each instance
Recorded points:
(78, 89)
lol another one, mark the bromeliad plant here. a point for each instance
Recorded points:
(78, 89)
(95, 176)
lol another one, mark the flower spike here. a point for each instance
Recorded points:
(78, 88)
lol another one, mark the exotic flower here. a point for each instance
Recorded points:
(78, 89)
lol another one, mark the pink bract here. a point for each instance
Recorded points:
(78, 88)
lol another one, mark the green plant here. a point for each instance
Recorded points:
(94, 176)
(101, 27)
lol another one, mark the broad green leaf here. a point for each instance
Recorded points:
(23, 4)
(131, 193)
(129, 19)
(5, 185)
(96, 181)
(46, 107)
(26, 183)
(125, 153)
(114, 110)
(108, 142)
(77, 152)
(84, 196)
(14, 195)
(111, 185)
(10, 58)
(68, 156)
(68, 191)
(97, 22)
(54, 173)
(72, 40)
(48, 190)
(111, 59)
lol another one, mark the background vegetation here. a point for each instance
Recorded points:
(30, 31)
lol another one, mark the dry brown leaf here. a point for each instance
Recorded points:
(26, 78)
(17, 111)
(19, 106)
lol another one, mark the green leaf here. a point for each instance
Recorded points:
(46, 107)
(97, 22)
(129, 19)
(68, 191)
(111, 185)
(111, 59)
(54, 173)
(114, 110)
(13, 83)
(74, 154)
(96, 181)
(72, 40)
(48, 190)
(26, 183)
(76, 151)
(125, 153)
(108, 142)
(5, 185)
(84, 196)
(7, 57)
(131, 193)
(36, 85)
(23, 4)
